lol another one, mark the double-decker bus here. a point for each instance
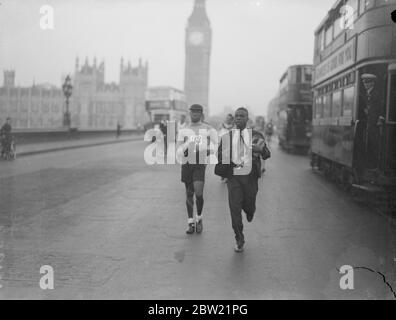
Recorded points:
(295, 109)
(165, 103)
(354, 85)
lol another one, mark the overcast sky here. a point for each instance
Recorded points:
(253, 41)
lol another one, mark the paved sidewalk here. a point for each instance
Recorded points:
(35, 148)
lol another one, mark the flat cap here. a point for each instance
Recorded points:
(196, 107)
(368, 76)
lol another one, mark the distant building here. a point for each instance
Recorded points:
(35, 107)
(94, 104)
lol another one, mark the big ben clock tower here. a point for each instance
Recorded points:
(198, 47)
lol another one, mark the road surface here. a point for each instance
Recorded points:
(112, 227)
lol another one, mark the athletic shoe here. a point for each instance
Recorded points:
(199, 226)
(191, 228)
(239, 246)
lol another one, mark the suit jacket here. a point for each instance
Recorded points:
(258, 139)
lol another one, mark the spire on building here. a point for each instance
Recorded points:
(199, 4)
(9, 78)
(199, 15)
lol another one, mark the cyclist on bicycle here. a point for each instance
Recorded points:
(6, 137)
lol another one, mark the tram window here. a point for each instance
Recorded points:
(336, 109)
(318, 107)
(382, 2)
(322, 40)
(392, 99)
(337, 27)
(354, 5)
(348, 100)
(318, 40)
(329, 35)
(327, 106)
(362, 6)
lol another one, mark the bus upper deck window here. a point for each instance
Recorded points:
(392, 99)
(307, 75)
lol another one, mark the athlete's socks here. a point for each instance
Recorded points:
(190, 207)
(190, 220)
(200, 203)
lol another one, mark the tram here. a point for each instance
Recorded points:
(354, 86)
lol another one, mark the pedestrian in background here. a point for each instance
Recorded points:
(118, 129)
(269, 131)
(6, 137)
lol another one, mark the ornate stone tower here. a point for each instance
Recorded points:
(198, 47)
(133, 85)
(9, 79)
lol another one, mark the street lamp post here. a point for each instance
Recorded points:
(67, 91)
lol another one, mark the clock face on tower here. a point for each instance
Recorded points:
(196, 38)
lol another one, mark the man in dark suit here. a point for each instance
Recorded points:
(242, 184)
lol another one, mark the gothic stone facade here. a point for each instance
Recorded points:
(100, 105)
(94, 105)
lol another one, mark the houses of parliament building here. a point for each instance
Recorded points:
(94, 105)
(97, 105)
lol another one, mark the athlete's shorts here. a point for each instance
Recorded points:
(192, 172)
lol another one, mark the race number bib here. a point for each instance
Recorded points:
(197, 140)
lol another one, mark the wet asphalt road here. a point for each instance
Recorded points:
(113, 227)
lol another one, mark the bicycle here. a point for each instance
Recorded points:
(8, 151)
